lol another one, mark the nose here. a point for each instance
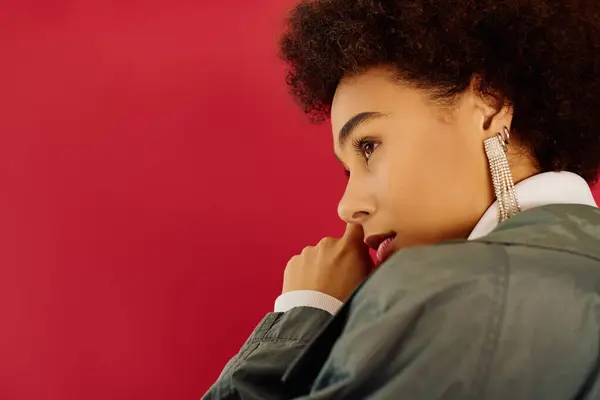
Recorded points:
(356, 204)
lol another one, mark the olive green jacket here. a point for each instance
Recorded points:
(513, 315)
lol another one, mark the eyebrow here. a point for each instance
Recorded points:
(354, 122)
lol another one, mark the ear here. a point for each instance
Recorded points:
(492, 110)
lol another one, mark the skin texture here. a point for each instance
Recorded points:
(423, 172)
(418, 170)
(334, 266)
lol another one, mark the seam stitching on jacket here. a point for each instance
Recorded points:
(251, 347)
(282, 339)
(493, 331)
(537, 246)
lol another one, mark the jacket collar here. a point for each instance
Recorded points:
(540, 190)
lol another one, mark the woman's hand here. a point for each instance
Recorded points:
(334, 266)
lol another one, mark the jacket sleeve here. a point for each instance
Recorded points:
(256, 371)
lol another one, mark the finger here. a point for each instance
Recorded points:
(327, 241)
(354, 233)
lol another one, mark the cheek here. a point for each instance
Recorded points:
(432, 168)
(409, 172)
(403, 182)
(430, 190)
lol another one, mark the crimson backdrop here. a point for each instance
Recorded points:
(155, 179)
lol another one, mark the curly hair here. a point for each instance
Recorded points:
(542, 56)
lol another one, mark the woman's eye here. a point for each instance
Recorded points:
(365, 147)
(368, 148)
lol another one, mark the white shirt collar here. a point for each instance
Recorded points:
(539, 190)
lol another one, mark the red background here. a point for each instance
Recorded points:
(155, 178)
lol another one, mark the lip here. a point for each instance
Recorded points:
(386, 249)
(383, 244)
(373, 241)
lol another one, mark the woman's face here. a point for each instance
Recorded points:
(416, 170)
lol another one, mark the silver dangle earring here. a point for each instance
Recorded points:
(502, 180)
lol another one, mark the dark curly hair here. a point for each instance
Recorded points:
(542, 56)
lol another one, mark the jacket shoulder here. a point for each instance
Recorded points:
(570, 228)
(425, 272)
(495, 302)
(488, 267)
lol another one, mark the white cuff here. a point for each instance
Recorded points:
(307, 298)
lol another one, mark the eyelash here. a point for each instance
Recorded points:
(359, 146)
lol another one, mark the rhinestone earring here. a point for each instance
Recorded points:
(502, 180)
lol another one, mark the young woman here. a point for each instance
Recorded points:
(469, 131)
